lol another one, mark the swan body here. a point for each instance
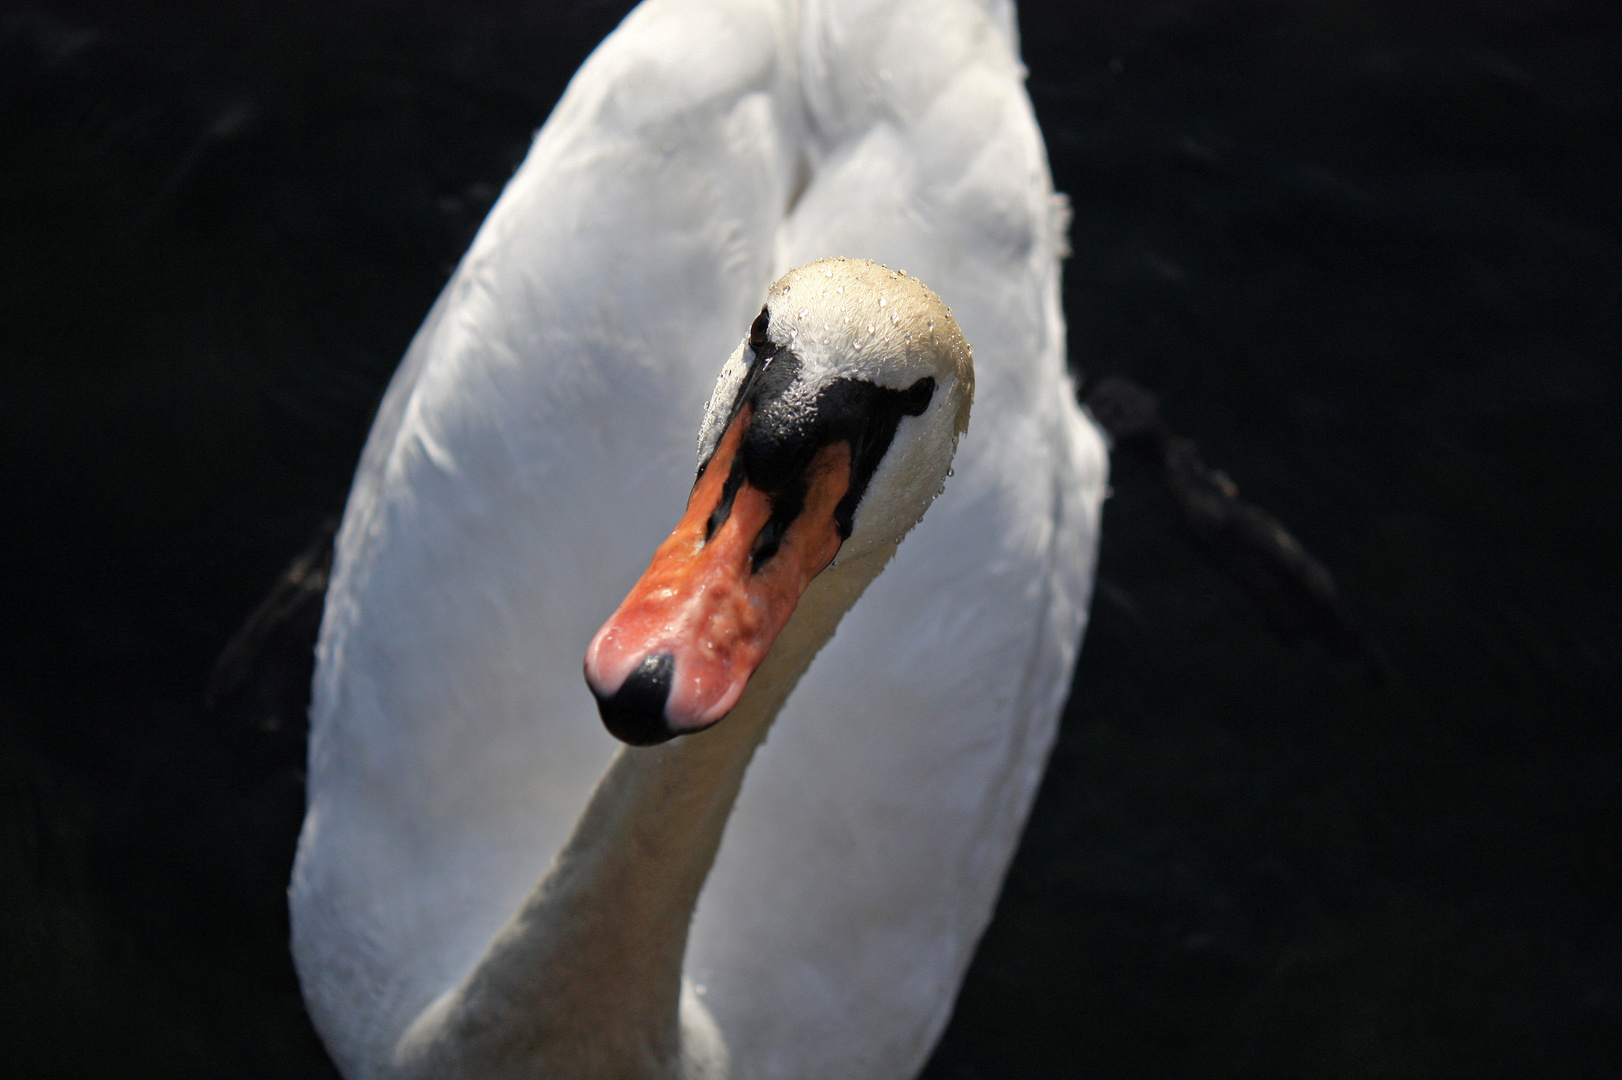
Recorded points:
(533, 449)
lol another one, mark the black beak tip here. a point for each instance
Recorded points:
(635, 713)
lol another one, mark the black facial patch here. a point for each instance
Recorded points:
(729, 491)
(786, 431)
(882, 410)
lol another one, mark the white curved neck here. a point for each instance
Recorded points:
(585, 979)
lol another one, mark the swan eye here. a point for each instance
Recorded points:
(915, 398)
(757, 329)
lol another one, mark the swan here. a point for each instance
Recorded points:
(487, 882)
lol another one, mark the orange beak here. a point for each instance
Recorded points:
(676, 655)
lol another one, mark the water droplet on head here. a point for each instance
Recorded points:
(841, 289)
(828, 273)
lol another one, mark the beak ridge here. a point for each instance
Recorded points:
(676, 655)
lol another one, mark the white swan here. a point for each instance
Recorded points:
(532, 451)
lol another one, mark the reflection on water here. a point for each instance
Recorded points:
(1367, 255)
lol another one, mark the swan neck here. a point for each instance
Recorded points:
(594, 954)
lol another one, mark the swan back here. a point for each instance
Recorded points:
(537, 442)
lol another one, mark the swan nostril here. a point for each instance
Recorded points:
(635, 713)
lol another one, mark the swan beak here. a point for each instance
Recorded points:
(675, 657)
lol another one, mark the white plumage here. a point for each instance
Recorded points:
(537, 443)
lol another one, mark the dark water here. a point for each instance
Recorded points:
(1370, 256)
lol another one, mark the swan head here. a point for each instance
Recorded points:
(830, 431)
